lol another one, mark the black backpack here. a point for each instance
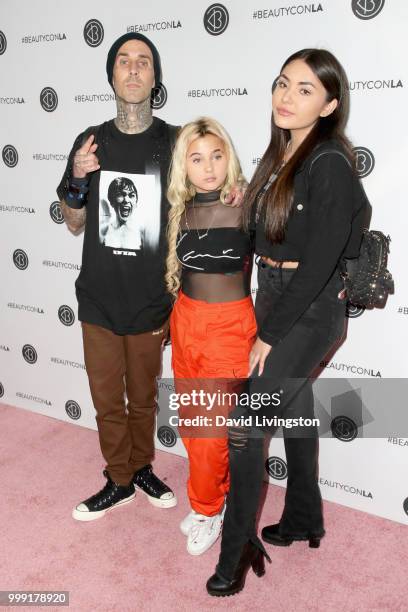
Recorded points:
(366, 278)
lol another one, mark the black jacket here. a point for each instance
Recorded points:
(325, 225)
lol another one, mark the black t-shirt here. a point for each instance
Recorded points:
(121, 283)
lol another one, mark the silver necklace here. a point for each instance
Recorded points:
(200, 236)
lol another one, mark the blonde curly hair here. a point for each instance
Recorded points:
(181, 190)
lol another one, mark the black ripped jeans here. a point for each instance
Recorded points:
(288, 370)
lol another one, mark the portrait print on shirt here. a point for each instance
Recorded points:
(126, 204)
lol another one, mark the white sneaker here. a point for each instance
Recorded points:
(204, 531)
(187, 522)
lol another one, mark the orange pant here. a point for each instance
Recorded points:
(210, 341)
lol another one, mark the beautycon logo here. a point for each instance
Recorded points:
(348, 488)
(11, 100)
(216, 19)
(367, 9)
(216, 92)
(94, 97)
(365, 161)
(158, 97)
(343, 428)
(299, 9)
(17, 209)
(65, 265)
(73, 410)
(68, 363)
(398, 441)
(152, 27)
(353, 311)
(33, 398)
(3, 43)
(50, 156)
(375, 84)
(1, 390)
(351, 368)
(39, 38)
(56, 213)
(405, 505)
(93, 33)
(10, 156)
(166, 436)
(20, 259)
(276, 468)
(49, 99)
(66, 315)
(29, 353)
(26, 307)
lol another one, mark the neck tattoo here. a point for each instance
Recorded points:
(133, 118)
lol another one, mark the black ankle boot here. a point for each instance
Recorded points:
(251, 556)
(271, 534)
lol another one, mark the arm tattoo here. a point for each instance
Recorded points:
(74, 218)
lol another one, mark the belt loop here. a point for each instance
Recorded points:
(280, 264)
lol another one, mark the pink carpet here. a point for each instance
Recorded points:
(135, 557)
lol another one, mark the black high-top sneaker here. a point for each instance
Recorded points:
(111, 496)
(158, 493)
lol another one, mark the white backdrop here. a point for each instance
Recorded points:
(219, 60)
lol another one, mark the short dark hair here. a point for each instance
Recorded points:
(119, 184)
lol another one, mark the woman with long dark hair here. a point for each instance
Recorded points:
(307, 208)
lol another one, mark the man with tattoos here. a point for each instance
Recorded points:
(123, 304)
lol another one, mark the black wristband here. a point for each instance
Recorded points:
(79, 181)
(75, 200)
(78, 185)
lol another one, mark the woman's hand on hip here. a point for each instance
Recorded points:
(258, 355)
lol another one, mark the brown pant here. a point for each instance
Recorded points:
(118, 365)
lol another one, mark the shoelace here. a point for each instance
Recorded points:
(199, 524)
(104, 493)
(155, 482)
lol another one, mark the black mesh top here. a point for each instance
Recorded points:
(214, 252)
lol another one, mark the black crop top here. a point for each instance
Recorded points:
(214, 252)
(328, 213)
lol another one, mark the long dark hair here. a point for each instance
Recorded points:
(277, 200)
